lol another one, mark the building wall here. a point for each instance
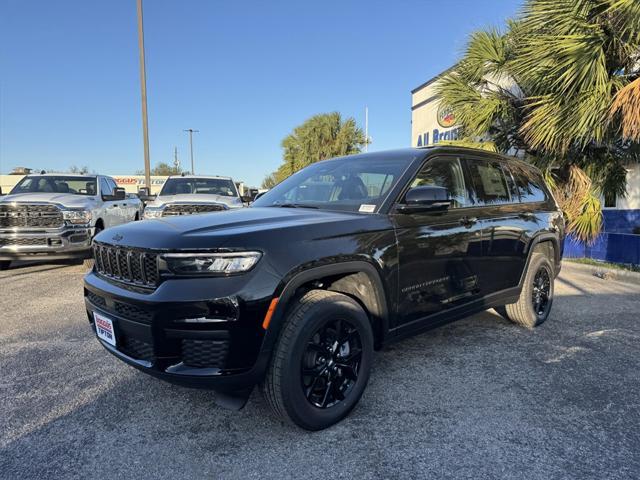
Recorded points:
(427, 127)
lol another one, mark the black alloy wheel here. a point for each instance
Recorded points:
(331, 363)
(541, 291)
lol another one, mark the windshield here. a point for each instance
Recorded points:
(61, 184)
(354, 184)
(206, 186)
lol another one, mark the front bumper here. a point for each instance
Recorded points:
(152, 335)
(66, 242)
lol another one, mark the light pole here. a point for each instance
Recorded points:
(143, 88)
(191, 132)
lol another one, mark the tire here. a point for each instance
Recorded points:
(5, 264)
(539, 278)
(313, 402)
(89, 262)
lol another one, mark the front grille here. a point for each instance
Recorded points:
(135, 348)
(204, 353)
(96, 299)
(30, 215)
(135, 267)
(132, 312)
(174, 209)
(22, 242)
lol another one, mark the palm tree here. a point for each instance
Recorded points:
(561, 86)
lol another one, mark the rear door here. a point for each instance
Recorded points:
(439, 253)
(504, 224)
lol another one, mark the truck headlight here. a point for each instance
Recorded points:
(210, 263)
(77, 216)
(152, 212)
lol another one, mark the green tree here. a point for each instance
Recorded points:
(320, 137)
(561, 87)
(269, 181)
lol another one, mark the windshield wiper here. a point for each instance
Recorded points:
(295, 205)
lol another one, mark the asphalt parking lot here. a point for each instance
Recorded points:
(479, 398)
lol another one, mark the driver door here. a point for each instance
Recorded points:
(439, 251)
(112, 211)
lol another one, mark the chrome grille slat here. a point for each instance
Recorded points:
(176, 209)
(30, 215)
(126, 265)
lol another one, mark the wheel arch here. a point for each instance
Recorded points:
(359, 280)
(544, 242)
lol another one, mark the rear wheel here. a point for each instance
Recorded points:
(5, 264)
(534, 305)
(322, 361)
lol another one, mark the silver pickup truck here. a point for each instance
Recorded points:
(190, 194)
(55, 216)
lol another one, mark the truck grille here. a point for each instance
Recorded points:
(135, 267)
(174, 209)
(30, 215)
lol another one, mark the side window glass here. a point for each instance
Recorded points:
(489, 182)
(447, 173)
(511, 185)
(105, 187)
(112, 183)
(528, 184)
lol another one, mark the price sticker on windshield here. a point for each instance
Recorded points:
(366, 208)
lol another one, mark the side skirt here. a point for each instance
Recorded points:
(497, 299)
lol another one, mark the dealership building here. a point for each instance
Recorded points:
(432, 123)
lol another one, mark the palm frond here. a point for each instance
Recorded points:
(626, 104)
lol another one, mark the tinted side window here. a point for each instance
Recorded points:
(447, 173)
(489, 182)
(112, 183)
(528, 184)
(105, 188)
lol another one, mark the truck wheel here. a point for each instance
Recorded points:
(322, 361)
(89, 262)
(534, 304)
(4, 264)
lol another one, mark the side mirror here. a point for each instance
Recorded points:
(428, 198)
(119, 193)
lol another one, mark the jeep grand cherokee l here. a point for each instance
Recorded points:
(296, 292)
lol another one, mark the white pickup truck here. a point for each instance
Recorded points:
(55, 216)
(191, 194)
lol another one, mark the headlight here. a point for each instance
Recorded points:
(152, 212)
(210, 263)
(77, 216)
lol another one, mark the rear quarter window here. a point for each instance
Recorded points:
(529, 184)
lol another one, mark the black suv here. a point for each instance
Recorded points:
(345, 256)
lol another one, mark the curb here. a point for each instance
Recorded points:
(603, 272)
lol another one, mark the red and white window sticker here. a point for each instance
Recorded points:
(104, 328)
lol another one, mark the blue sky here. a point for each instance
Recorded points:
(243, 73)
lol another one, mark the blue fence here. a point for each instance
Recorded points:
(609, 247)
(616, 244)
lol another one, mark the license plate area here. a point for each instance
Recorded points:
(104, 328)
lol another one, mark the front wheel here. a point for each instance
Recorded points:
(322, 361)
(534, 305)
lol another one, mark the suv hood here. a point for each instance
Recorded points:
(242, 228)
(64, 199)
(231, 202)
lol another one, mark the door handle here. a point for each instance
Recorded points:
(468, 222)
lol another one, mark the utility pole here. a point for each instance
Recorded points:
(366, 128)
(143, 88)
(191, 132)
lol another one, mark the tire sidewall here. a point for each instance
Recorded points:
(537, 262)
(299, 408)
